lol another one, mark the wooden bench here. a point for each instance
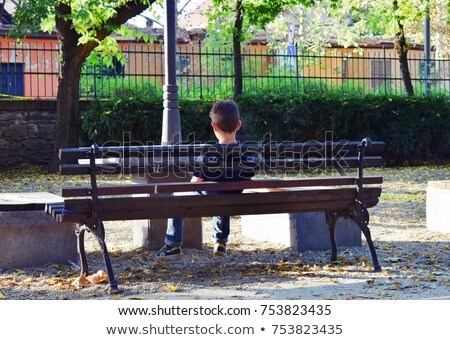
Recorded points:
(344, 195)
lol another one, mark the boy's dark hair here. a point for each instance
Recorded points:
(225, 114)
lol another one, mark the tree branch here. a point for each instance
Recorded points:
(125, 12)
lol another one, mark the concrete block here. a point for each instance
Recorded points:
(438, 206)
(28, 236)
(33, 238)
(151, 233)
(300, 231)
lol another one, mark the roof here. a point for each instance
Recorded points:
(5, 17)
(197, 17)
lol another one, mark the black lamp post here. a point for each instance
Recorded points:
(171, 126)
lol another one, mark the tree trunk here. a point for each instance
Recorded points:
(401, 47)
(402, 51)
(73, 57)
(237, 54)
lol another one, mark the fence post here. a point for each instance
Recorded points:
(427, 50)
(296, 68)
(200, 67)
(384, 70)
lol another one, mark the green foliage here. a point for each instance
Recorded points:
(256, 13)
(414, 129)
(30, 15)
(110, 120)
(86, 17)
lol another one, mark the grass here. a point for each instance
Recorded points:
(399, 197)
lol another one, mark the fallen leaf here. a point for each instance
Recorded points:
(370, 282)
(126, 276)
(137, 297)
(397, 285)
(57, 266)
(172, 288)
(81, 282)
(430, 279)
(98, 277)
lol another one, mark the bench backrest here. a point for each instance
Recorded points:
(160, 159)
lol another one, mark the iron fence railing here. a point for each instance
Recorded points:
(31, 70)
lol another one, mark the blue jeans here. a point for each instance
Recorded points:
(175, 226)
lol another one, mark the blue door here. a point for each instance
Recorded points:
(11, 79)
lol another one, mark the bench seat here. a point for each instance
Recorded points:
(129, 208)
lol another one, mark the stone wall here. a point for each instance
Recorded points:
(27, 131)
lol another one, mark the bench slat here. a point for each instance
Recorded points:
(126, 208)
(72, 155)
(263, 165)
(268, 208)
(215, 186)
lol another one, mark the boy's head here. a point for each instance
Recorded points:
(225, 114)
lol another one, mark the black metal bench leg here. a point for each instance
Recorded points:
(366, 232)
(80, 230)
(360, 215)
(331, 218)
(100, 236)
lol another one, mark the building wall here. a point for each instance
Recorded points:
(37, 59)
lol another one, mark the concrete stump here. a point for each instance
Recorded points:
(300, 231)
(150, 233)
(438, 206)
(28, 236)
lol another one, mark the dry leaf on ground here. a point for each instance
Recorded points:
(81, 282)
(98, 277)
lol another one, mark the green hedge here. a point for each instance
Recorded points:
(415, 129)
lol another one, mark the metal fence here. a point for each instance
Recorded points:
(31, 70)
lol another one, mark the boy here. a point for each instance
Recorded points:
(225, 122)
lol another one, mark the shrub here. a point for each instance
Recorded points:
(415, 129)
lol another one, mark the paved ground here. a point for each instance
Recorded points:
(415, 260)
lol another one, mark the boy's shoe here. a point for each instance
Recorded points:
(220, 249)
(168, 252)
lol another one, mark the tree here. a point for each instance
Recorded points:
(236, 19)
(316, 26)
(397, 19)
(393, 18)
(400, 20)
(154, 13)
(81, 26)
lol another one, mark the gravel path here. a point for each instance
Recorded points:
(415, 260)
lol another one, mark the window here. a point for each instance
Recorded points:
(380, 72)
(183, 63)
(11, 78)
